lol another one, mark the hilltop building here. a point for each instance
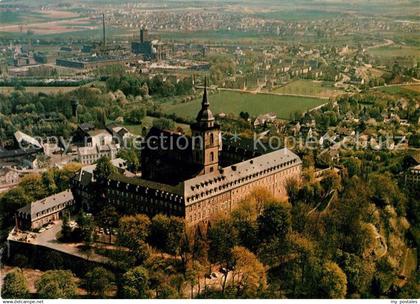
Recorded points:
(197, 178)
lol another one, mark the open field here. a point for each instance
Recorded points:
(13, 17)
(36, 90)
(414, 88)
(44, 22)
(148, 122)
(299, 14)
(255, 104)
(212, 35)
(86, 30)
(395, 51)
(309, 87)
(50, 27)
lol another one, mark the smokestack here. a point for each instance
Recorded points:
(142, 35)
(103, 30)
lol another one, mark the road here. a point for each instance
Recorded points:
(387, 43)
(416, 82)
(267, 93)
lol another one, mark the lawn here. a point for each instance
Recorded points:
(309, 87)
(255, 104)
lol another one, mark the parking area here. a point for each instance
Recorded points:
(48, 238)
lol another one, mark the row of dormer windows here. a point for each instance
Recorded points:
(236, 182)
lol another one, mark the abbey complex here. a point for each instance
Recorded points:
(194, 177)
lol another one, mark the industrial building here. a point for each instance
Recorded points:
(144, 47)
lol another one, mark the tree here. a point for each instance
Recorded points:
(176, 232)
(385, 190)
(131, 156)
(56, 284)
(62, 177)
(249, 275)
(133, 232)
(66, 231)
(275, 221)
(108, 217)
(15, 285)
(359, 273)
(292, 189)
(333, 282)
(49, 182)
(136, 116)
(164, 124)
(354, 166)
(166, 233)
(222, 238)
(244, 219)
(135, 283)
(159, 231)
(244, 115)
(10, 202)
(301, 269)
(200, 246)
(32, 185)
(331, 181)
(98, 281)
(104, 169)
(86, 227)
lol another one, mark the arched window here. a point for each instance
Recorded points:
(211, 138)
(211, 156)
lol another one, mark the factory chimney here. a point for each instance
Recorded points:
(103, 30)
(144, 34)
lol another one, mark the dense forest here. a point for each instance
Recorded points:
(339, 236)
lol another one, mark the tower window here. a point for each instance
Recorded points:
(211, 156)
(211, 138)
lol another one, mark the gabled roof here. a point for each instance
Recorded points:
(35, 209)
(26, 139)
(85, 175)
(86, 127)
(98, 132)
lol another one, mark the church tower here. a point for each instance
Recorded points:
(206, 138)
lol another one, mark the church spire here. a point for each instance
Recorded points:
(205, 117)
(205, 102)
